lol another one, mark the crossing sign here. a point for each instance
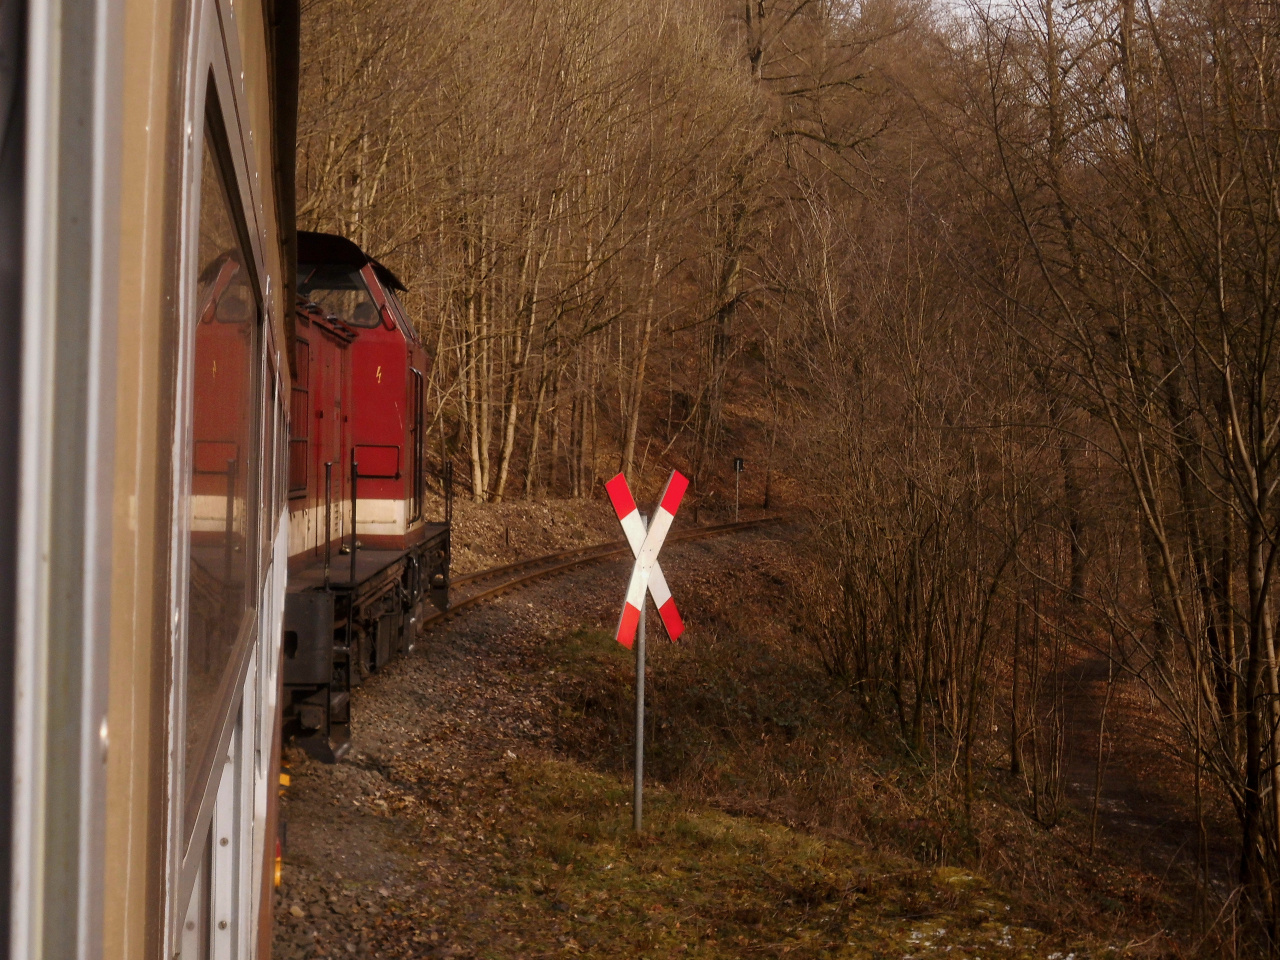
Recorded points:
(645, 544)
(645, 540)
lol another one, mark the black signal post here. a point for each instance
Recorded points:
(738, 466)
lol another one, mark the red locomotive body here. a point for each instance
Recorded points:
(362, 556)
(389, 371)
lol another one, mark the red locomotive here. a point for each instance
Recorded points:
(363, 558)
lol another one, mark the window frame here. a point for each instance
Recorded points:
(212, 106)
(198, 793)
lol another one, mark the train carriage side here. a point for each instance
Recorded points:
(146, 205)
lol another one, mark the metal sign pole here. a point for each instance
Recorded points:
(637, 818)
(738, 467)
(646, 580)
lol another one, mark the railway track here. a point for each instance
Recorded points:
(526, 571)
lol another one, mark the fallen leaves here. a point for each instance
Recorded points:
(458, 827)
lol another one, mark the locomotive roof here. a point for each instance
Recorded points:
(329, 248)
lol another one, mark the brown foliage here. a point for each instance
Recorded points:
(1000, 283)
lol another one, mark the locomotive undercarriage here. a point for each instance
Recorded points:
(335, 636)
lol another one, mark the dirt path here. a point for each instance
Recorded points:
(428, 734)
(1143, 809)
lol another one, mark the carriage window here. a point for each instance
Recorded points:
(223, 498)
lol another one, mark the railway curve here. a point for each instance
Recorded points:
(526, 571)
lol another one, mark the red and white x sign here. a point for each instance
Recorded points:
(646, 574)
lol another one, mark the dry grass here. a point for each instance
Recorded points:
(703, 883)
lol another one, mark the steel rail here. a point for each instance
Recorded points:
(593, 550)
(574, 557)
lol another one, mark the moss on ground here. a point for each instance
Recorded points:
(703, 883)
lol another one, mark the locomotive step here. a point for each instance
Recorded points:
(340, 707)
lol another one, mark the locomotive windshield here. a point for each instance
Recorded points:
(401, 317)
(340, 291)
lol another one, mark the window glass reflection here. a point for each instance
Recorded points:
(300, 418)
(222, 462)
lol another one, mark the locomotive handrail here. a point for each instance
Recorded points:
(328, 518)
(381, 475)
(355, 537)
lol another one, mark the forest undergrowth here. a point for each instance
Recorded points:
(747, 720)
